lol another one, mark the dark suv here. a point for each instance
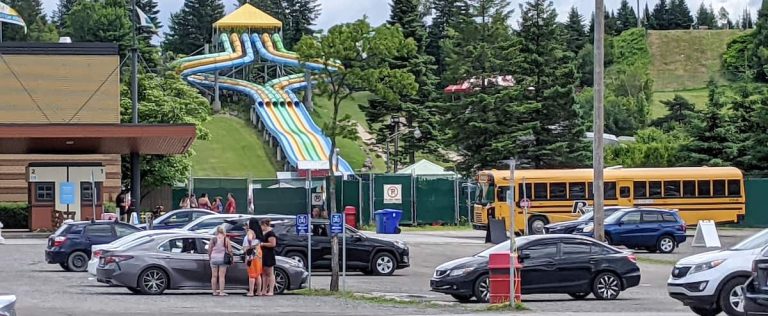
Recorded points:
(756, 288)
(70, 245)
(364, 253)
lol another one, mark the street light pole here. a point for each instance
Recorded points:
(135, 159)
(512, 246)
(597, 148)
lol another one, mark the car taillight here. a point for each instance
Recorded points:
(232, 235)
(632, 258)
(97, 253)
(116, 259)
(58, 241)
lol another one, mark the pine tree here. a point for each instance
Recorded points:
(660, 17)
(759, 48)
(276, 8)
(31, 12)
(62, 9)
(190, 28)
(611, 24)
(416, 109)
(679, 15)
(557, 134)
(646, 16)
(679, 113)
(705, 17)
(625, 17)
(149, 7)
(574, 28)
(300, 17)
(711, 139)
(447, 15)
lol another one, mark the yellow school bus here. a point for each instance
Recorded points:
(698, 193)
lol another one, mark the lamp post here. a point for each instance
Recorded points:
(395, 120)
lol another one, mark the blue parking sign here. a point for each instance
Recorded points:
(67, 195)
(337, 224)
(302, 224)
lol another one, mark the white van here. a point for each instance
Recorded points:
(713, 281)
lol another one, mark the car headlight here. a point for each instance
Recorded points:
(458, 272)
(701, 267)
(400, 244)
(588, 228)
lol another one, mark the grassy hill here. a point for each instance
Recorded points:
(682, 61)
(235, 149)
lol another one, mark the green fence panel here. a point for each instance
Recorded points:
(398, 185)
(757, 202)
(177, 193)
(467, 191)
(288, 201)
(435, 200)
(220, 187)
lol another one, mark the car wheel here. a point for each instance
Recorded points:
(383, 264)
(732, 296)
(77, 261)
(153, 281)
(281, 281)
(701, 311)
(579, 296)
(64, 266)
(298, 257)
(462, 298)
(482, 289)
(536, 225)
(606, 286)
(666, 244)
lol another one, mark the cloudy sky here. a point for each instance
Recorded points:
(339, 11)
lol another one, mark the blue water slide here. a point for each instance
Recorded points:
(282, 60)
(246, 59)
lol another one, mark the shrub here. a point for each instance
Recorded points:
(14, 215)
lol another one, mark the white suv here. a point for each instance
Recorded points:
(713, 281)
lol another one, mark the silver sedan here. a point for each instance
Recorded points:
(180, 262)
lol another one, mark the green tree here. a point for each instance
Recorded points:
(705, 17)
(679, 15)
(574, 28)
(364, 52)
(738, 59)
(38, 29)
(646, 16)
(680, 112)
(447, 14)
(711, 135)
(275, 8)
(164, 99)
(191, 27)
(547, 67)
(419, 109)
(301, 16)
(91, 21)
(653, 148)
(758, 54)
(660, 16)
(625, 17)
(62, 10)
(149, 7)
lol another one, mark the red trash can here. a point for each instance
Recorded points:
(350, 216)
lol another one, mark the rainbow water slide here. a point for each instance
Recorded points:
(281, 112)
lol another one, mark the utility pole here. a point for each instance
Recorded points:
(597, 148)
(512, 245)
(135, 159)
(639, 25)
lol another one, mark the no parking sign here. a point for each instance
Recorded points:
(393, 194)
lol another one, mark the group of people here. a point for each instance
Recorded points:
(259, 248)
(218, 206)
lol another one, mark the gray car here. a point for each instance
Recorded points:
(180, 262)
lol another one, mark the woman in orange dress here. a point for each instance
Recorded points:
(252, 248)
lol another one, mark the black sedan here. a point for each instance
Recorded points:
(569, 227)
(368, 254)
(756, 288)
(567, 264)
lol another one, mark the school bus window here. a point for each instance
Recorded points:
(718, 187)
(624, 192)
(704, 188)
(610, 190)
(641, 189)
(654, 189)
(734, 187)
(671, 188)
(540, 191)
(557, 191)
(524, 192)
(501, 194)
(689, 188)
(577, 190)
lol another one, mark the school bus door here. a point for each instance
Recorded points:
(625, 192)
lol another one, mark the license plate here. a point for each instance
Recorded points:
(102, 261)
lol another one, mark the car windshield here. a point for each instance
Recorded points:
(758, 240)
(614, 218)
(61, 229)
(587, 216)
(503, 247)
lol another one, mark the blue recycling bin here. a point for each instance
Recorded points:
(388, 221)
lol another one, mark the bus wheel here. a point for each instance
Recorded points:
(536, 225)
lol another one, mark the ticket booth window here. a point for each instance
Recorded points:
(44, 192)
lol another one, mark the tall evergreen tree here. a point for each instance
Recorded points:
(418, 108)
(149, 7)
(62, 9)
(190, 28)
(679, 15)
(275, 8)
(660, 16)
(759, 48)
(611, 24)
(543, 65)
(38, 28)
(574, 28)
(300, 17)
(705, 17)
(625, 17)
(447, 15)
(646, 15)
(711, 139)
(680, 112)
